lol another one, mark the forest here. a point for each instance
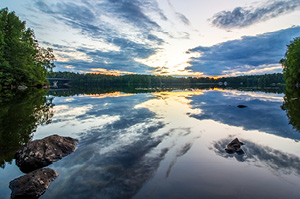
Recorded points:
(151, 80)
(22, 60)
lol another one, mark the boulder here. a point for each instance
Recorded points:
(40, 153)
(234, 147)
(33, 184)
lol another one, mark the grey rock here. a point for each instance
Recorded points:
(33, 184)
(234, 147)
(40, 153)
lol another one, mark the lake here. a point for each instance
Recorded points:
(159, 143)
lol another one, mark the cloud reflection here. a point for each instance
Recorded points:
(261, 114)
(183, 150)
(275, 160)
(105, 95)
(111, 161)
(116, 159)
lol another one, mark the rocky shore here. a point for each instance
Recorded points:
(31, 159)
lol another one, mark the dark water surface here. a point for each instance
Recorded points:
(167, 144)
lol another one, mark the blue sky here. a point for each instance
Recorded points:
(165, 37)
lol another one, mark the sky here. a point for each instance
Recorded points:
(163, 37)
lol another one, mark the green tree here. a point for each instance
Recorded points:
(22, 60)
(291, 73)
(291, 63)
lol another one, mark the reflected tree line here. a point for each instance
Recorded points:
(93, 90)
(291, 105)
(20, 114)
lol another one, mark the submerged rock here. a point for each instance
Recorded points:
(234, 147)
(242, 106)
(40, 153)
(33, 184)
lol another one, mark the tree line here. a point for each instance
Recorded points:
(152, 80)
(22, 60)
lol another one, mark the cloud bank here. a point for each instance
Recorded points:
(136, 36)
(125, 26)
(241, 17)
(248, 54)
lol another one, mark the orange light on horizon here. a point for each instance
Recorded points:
(102, 71)
(105, 95)
(187, 93)
(217, 89)
(218, 77)
(215, 77)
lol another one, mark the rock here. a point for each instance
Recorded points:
(40, 153)
(33, 184)
(234, 147)
(242, 106)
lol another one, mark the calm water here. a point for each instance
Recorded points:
(166, 144)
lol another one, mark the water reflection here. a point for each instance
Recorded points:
(291, 105)
(108, 157)
(116, 159)
(155, 145)
(182, 151)
(147, 134)
(88, 90)
(20, 115)
(263, 112)
(257, 154)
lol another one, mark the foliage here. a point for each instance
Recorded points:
(291, 72)
(291, 105)
(22, 61)
(291, 63)
(108, 80)
(151, 80)
(20, 114)
(256, 80)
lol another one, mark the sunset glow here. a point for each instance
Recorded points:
(171, 37)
